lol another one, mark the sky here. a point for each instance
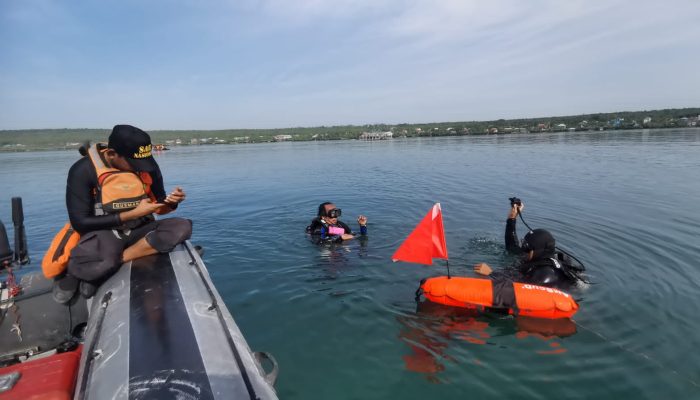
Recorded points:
(216, 64)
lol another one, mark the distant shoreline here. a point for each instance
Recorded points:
(67, 139)
(28, 149)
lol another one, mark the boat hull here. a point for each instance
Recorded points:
(158, 329)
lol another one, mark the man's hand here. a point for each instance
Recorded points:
(362, 220)
(145, 207)
(177, 196)
(347, 236)
(483, 269)
(515, 209)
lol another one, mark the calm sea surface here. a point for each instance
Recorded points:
(342, 321)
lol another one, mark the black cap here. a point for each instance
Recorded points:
(133, 144)
(541, 241)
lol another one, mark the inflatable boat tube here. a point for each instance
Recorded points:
(158, 329)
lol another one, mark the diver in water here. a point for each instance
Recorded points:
(541, 262)
(327, 228)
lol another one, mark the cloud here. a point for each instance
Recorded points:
(262, 63)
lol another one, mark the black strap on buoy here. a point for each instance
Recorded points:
(419, 291)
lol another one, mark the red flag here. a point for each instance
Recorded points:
(427, 241)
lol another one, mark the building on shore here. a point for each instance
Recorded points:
(282, 138)
(376, 135)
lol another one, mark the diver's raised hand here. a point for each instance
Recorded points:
(515, 209)
(362, 220)
(483, 269)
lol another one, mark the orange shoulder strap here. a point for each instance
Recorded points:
(147, 180)
(96, 154)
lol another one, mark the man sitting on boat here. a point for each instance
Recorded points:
(541, 264)
(327, 228)
(111, 196)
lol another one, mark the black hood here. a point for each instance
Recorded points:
(541, 242)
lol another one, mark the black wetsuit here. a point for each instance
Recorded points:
(320, 231)
(551, 270)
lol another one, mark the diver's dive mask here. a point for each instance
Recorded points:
(334, 213)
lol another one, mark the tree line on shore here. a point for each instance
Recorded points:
(48, 139)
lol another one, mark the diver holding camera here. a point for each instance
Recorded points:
(541, 263)
(327, 228)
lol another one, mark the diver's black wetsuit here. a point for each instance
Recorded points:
(551, 271)
(80, 200)
(319, 230)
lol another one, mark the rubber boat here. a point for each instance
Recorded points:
(157, 329)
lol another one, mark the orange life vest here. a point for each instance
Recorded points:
(117, 191)
(529, 300)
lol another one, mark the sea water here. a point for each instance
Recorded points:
(342, 320)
